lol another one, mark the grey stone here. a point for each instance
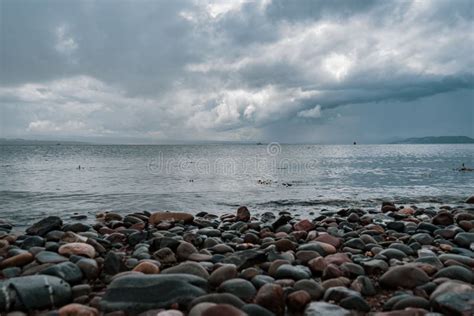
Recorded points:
(188, 267)
(34, 292)
(241, 288)
(136, 292)
(325, 309)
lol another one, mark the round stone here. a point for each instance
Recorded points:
(406, 276)
(77, 248)
(239, 287)
(222, 274)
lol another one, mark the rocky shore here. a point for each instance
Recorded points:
(392, 260)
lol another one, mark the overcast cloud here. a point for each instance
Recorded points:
(315, 71)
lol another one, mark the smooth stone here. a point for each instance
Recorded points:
(451, 303)
(322, 248)
(188, 267)
(392, 253)
(396, 226)
(81, 290)
(184, 250)
(198, 309)
(397, 297)
(222, 274)
(287, 271)
(364, 286)
(260, 280)
(165, 256)
(32, 241)
(75, 309)
(337, 259)
(146, 267)
(223, 309)
(219, 298)
(340, 281)
(355, 243)
(158, 217)
(164, 242)
(255, 310)
(314, 289)
(460, 258)
(113, 263)
(443, 218)
(304, 256)
(221, 249)
(137, 292)
(44, 226)
(374, 266)
(245, 258)
(357, 303)
(412, 301)
(243, 214)
(211, 232)
(422, 238)
(457, 273)
(50, 257)
(402, 247)
(34, 292)
(329, 239)
(77, 248)
(433, 261)
(297, 301)
(464, 239)
(89, 268)
(241, 288)
(352, 270)
(325, 309)
(271, 297)
(285, 245)
(338, 293)
(11, 272)
(67, 271)
(452, 286)
(17, 261)
(304, 225)
(404, 276)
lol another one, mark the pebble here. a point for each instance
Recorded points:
(287, 271)
(135, 293)
(298, 300)
(147, 268)
(77, 310)
(77, 248)
(44, 226)
(404, 276)
(325, 309)
(243, 214)
(188, 267)
(67, 271)
(158, 217)
(34, 292)
(241, 288)
(271, 297)
(222, 274)
(17, 261)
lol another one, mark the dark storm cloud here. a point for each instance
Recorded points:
(222, 69)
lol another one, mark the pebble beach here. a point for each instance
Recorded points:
(388, 260)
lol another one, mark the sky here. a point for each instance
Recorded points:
(273, 70)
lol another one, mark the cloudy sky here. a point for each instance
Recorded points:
(270, 70)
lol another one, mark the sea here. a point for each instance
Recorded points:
(68, 180)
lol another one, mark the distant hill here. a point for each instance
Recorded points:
(20, 141)
(437, 140)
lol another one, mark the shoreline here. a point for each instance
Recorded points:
(385, 260)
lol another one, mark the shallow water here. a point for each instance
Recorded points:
(40, 180)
